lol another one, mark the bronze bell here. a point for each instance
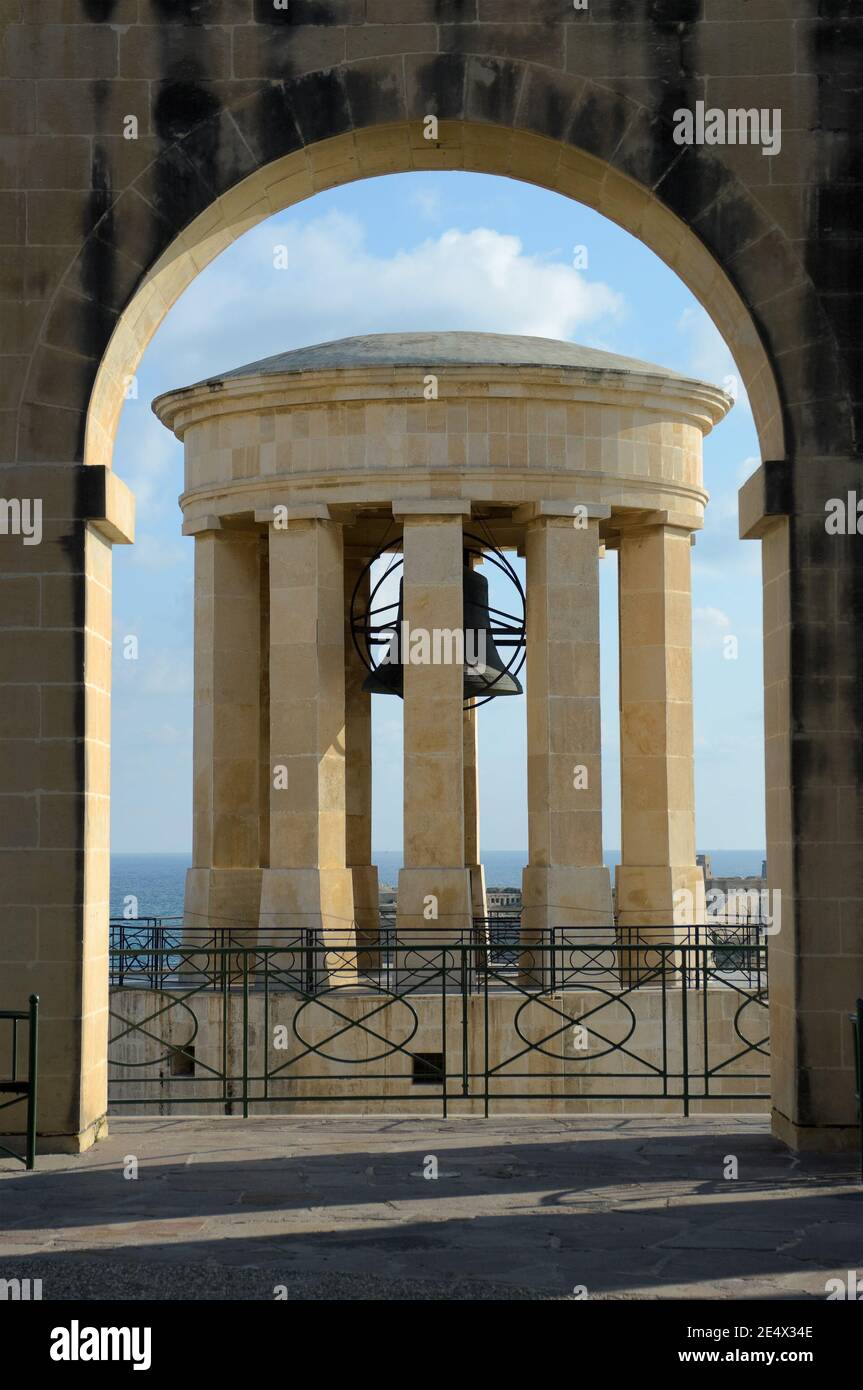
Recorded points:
(485, 674)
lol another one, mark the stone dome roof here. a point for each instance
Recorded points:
(455, 349)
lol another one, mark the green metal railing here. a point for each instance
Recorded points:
(347, 1036)
(857, 1025)
(21, 1090)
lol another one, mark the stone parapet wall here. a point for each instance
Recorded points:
(552, 1077)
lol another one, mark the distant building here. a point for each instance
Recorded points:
(503, 902)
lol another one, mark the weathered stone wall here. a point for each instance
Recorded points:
(578, 101)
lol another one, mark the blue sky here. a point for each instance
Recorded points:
(412, 252)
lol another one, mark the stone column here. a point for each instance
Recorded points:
(307, 884)
(565, 883)
(434, 878)
(656, 752)
(471, 814)
(358, 772)
(804, 510)
(472, 858)
(223, 886)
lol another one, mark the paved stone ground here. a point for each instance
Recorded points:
(521, 1209)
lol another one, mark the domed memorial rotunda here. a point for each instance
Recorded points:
(435, 452)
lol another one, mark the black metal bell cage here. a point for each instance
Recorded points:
(377, 628)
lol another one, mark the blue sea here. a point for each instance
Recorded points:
(157, 880)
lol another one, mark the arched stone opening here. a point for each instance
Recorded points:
(238, 166)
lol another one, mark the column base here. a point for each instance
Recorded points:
(311, 909)
(814, 1138)
(76, 1142)
(650, 914)
(228, 898)
(446, 893)
(478, 898)
(451, 890)
(646, 898)
(565, 907)
(561, 896)
(367, 915)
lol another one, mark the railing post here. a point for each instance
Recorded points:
(485, 1045)
(858, 1070)
(265, 1053)
(245, 1034)
(443, 975)
(684, 1016)
(32, 1092)
(226, 1002)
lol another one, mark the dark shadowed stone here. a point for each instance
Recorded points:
(310, 12)
(528, 41)
(600, 121)
(445, 10)
(100, 11)
(731, 223)
(673, 14)
(175, 188)
(187, 11)
(766, 267)
(265, 13)
(137, 228)
(61, 378)
(268, 123)
(47, 433)
(375, 91)
(810, 371)
(796, 316)
(79, 325)
(818, 426)
(492, 90)
(115, 291)
(219, 152)
(647, 153)
(97, 255)
(840, 213)
(547, 102)
(834, 249)
(435, 86)
(835, 265)
(181, 104)
(693, 181)
(321, 105)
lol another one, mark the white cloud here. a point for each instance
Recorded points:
(709, 625)
(336, 286)
(709, 357)
(746, 469)
(428, 202)
(150, 462)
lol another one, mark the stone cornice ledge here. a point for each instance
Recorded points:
(109, 505)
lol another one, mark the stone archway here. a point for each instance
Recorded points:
(219, 169)
(399, 148)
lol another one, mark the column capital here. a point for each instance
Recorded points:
(417, 508)
(198, 525)
(764, 499)
(293, 511)
(668, 521)
(109, 505)
(560, 511)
